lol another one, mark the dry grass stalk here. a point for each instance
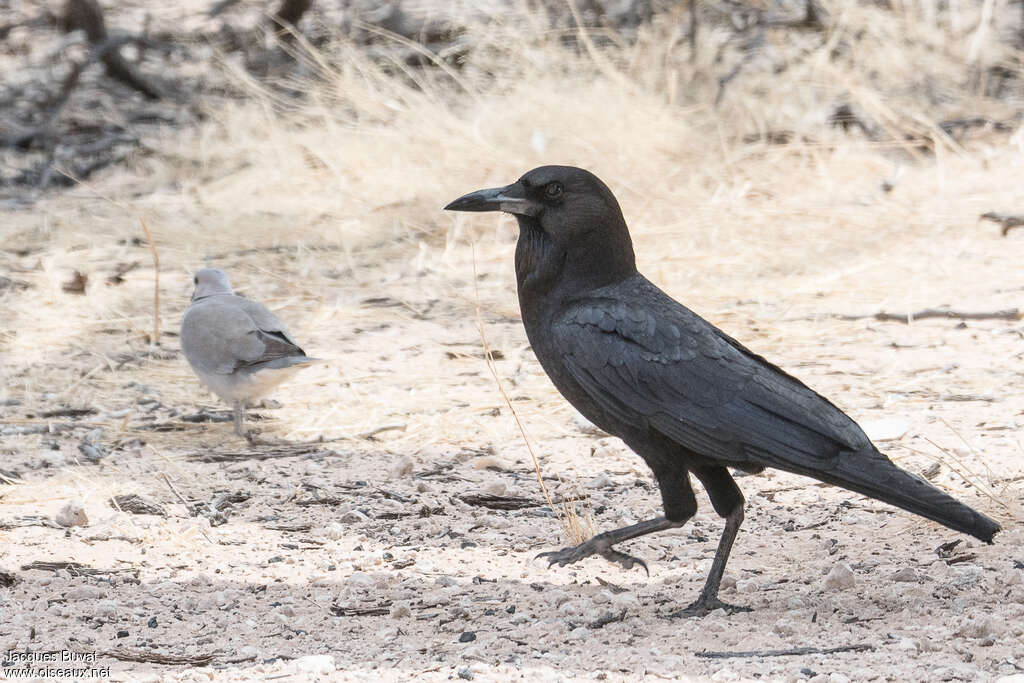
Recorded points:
(576, 529)
(156, 281)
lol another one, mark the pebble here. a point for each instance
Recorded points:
(84, 593)
(322, 664)
(601, 481)
(906, 575)
(360, 580)
(400, 611)
(401, 467)
(52, 459)
(746, 586)
(585, 425)
(354, 517)
(909, 645)
(106, 610)
(496, 488)
(334, 531)
(467, 637)
(840, 577)
(72, 514)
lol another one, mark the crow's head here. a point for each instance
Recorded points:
(565, 202)
(567, 217)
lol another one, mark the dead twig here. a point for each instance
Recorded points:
(796, 651)
(88, 16)
(137, 505)
(1009, 221)
(280, 451)
(1006, 314)
(369, 434)
(343, 611)
(159, 658)
(503, 502)
(73, 568)
(607, 618)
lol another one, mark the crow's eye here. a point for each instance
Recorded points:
(553, 190)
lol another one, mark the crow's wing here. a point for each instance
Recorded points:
(223, 334)
(651, 362)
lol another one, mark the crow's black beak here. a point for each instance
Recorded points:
(510, 199)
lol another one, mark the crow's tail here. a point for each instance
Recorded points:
(874, 475)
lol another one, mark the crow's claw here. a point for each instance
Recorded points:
(573, 554)
(702, 607)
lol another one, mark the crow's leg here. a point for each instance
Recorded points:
(728, 502)
(602, 543)
(680, 505)
(239, 407)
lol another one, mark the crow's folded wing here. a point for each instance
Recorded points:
(650, 362)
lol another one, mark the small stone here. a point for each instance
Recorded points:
(906, 575)
(360, 580)
(467, 637)
(601, 481)
(579, 633)
(400, 611)
(402, 467)
(72, 514)
(84, 593)
(200, 580)
(465, 673)
(840, 577)
(248, 652)
(334, 531)
(487, 462)
(496, 488)
(152, 623)
(106, 610)
(746, 586)
(321, 664)
(585, 425)
(885, 429)
(446, 581)
(909, 645)
(52, 459)
(728, 582)
(354, 517)
(783, 627)
(836, 677)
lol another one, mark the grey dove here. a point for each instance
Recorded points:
(237, 347)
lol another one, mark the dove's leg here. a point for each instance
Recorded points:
(239, 407)
(679, 503)
(728, 502)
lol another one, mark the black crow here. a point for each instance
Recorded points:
(688, 398)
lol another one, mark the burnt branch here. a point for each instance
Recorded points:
(87, 16)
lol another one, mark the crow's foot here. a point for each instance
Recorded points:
(595, 546)
(704, 606)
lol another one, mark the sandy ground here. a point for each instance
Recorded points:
(359, 559)
(362, 550)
